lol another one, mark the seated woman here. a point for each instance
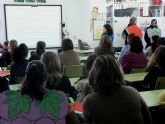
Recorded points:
(40, 48)
(151, 62)
(55, 78)
(157, 70)
(68, 56)
(19, 64)
(150, 49)
(34, 103)
(105, 46)
(82, 86)
(7, 55)
(126, 48)
(136, 58)
(112, 102)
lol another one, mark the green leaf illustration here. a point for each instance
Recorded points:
(51, 103)
(17, 103)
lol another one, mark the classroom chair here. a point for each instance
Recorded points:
(138, 70)
(160, 83)
(74, 71)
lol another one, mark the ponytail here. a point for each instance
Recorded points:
(33, 84)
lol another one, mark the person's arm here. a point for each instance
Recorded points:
(150, 78)
(86, 110)
(147, 39)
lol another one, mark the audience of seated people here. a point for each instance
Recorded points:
(55, 78)
(106, 98)
(19, 63)
(68, 56)
(82, 86)
(40, 48)
(111, 101)
(157, 69)
(136, 58)
(105, 46)
(34, 103)
(7, 54)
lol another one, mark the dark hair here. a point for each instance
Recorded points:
(161, 41)
(33, 85)
(6, 43)
(153, 20)
(154, 43)
(105, 75)
(109, 29)
(129, 38)
(67, 44)
(20, 53)
(106, 45)
(136, 45)
(40, 48)
(160, 56)
(132, 21)
(90, 62)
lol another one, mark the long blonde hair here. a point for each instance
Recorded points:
(53, 67)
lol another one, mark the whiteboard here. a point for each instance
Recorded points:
(30, 24)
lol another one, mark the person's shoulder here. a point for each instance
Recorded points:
(129, 90)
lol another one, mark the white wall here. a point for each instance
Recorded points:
(101, 4)
(76, 15)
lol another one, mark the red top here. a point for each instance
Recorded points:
(135, 30)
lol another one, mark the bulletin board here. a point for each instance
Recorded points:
(98, 29)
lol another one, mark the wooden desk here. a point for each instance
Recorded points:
(73, 80)
(135, 77)
(4, 73)
(15, 87)
(151, 97)
(84, 52)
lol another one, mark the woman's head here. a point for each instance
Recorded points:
(106, 44)
(90, 62)
(20, 53)
(12, 44)
(161, 41)
(53, 67)
(129, 38)
(105, 75)
(154, 42)
(154, 23)
(136, 45)
(159, 56)
(132, 21)
(5, 45)
(108, 29)
(67, 44)
(40, 47)
(34, 82)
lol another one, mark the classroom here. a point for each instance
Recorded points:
(82, 61)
